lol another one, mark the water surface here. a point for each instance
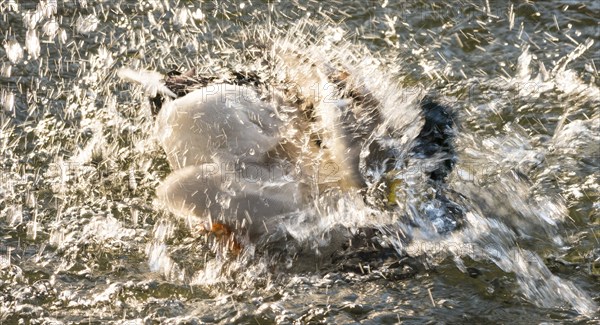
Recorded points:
(83, 240)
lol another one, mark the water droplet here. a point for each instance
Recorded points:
(87, 24)
(62, 36)
(50, 28)
(14, 51)
(181, 17)
(7, 100)
(224, 200)
(32, 43)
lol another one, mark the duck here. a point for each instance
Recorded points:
(245, 154)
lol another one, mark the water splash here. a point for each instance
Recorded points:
(68, 101)
(501, 212)
(14, 51)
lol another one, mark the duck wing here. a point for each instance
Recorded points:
(246, 198)
(220, 121)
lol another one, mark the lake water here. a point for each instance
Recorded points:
(83, 240)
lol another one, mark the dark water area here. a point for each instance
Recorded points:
(84, 240)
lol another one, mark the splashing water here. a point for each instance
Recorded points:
(514, 225)
(499, 216)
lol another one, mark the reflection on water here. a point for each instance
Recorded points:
(83, 238)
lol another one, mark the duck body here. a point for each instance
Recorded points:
(247, 156)
(224, 145)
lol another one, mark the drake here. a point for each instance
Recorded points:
(246, 151)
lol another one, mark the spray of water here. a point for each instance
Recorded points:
(83, 233)
(500, 213)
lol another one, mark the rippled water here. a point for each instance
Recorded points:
(83, 239)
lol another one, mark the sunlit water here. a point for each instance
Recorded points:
(83, 239)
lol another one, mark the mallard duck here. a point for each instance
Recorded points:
(244, 155)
